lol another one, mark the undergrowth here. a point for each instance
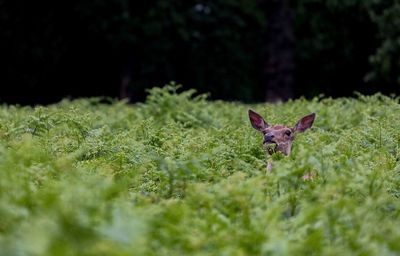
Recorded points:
(180, 175)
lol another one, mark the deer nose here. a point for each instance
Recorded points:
(269, 138)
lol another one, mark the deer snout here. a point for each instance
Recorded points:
(269, 138)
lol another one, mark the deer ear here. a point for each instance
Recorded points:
(257, 121)
(304, 123)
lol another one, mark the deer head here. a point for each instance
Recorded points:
(279, 137)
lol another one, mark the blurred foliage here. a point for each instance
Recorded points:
(208, 45)
(346, 41)
(87, 178)
(386, 60)
(334, 41)
(83, 48)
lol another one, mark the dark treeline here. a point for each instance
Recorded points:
(234, 49)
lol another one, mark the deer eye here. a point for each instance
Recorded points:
(288, 133)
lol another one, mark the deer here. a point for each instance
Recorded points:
(279, 138)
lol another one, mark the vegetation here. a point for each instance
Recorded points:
(218, 46)
(179, 175)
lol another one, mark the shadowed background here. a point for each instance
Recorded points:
(235, 49)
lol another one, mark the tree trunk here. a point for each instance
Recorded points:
(279, 67)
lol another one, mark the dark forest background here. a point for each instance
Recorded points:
(235, 49)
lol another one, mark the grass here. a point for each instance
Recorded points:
(179, 175)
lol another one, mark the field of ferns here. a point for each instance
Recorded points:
(182, 175)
